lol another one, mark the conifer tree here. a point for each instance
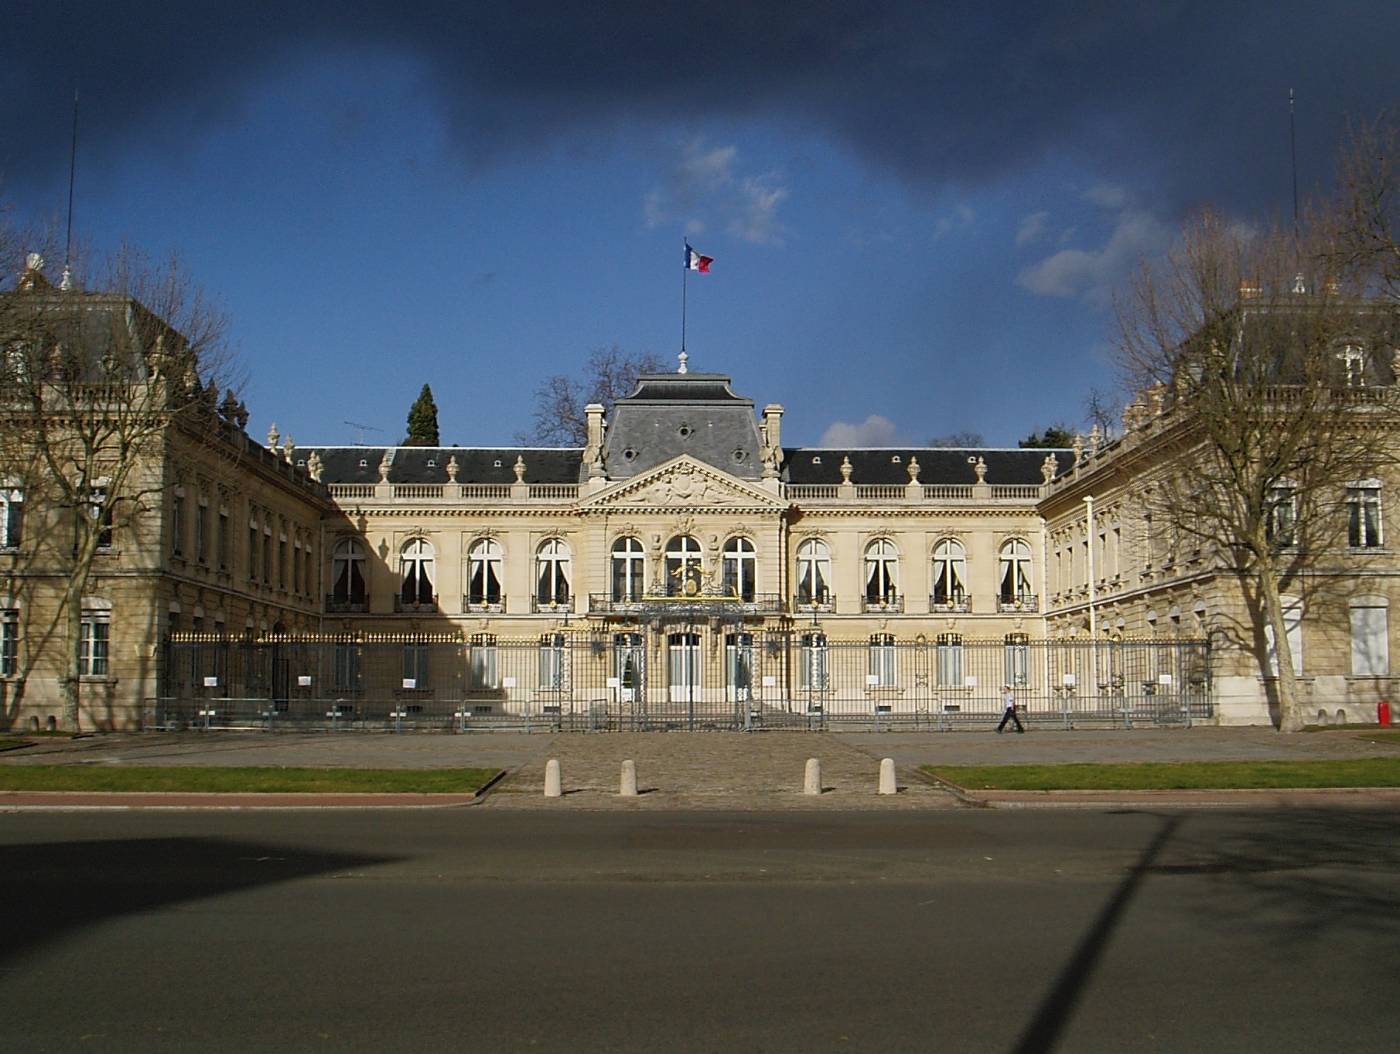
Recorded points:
(422, 420)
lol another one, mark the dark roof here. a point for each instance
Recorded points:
(410, 464)
(682, 413)
(936, 464)
(689, 387)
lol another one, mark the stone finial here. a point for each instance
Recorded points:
(273, 436)
(519, 469)
(846, 469)
(314, 466)
(1395, 363)
(1078, 447)
(287, 447)
(384, 463)
(1095, 438)
(684, 358)
(1049, 467)
(913, 469)
(980, 467)
(452, 469)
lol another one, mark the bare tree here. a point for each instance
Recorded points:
(1364, 223)
(96, 388)
(1269, 388)
(608, 375)
(964, 438)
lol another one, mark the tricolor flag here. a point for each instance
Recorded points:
(695, 262)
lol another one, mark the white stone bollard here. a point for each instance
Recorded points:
(629, 780)
(812, 781)
(887, 784)
(553, 782)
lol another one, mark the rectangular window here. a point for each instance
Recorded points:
(252, 548)
(177, 523)
(222, 543)
(1364, 516)
(1370, 642)
(345, 668)
(950, 660)
(882, 659)
(284, 578)
(1293, 628)
(201, 532)
(481, 663)
(812, 666)
(267, 556)
(101, 514)
(11, 515)
(1282, 523)
(553, 667)
(9, 643)
(96, 632)
(415, 664)
(1016, 659)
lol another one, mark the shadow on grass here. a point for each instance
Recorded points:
(52, 889)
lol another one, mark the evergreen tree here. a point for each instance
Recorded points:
(422, 420)
(1055, 437)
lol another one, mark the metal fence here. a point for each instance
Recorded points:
(675, 676)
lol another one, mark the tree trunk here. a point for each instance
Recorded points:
(72, 681)
(1290, 712)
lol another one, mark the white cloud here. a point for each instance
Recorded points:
(961, 217)
(705, 182)
(873, 431)
(1031, 228)
(1094, 273)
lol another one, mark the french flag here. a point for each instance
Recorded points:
(695, 262)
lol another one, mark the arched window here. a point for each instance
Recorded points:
(628, 569)
(813, 573)
(11, 515)
(740, 568)
(416, 572)
(949, 575)
(881, 573)
(683, 574)
(552, 572)
(348, 574)
(484, 574)
(1016, 585)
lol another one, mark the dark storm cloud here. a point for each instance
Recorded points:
(1187, 100)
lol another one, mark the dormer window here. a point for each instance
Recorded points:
(432, 462)
(364, 463)
(497, 463)
(1353, 363)
(816, 459)
(894, 460)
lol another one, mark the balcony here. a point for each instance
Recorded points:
(346, 605)
(701, 604)
(954, 604)
(1018, 602)
(806, 603)
(414, 606)
(890, 604)
(484, 605)
(551, 607)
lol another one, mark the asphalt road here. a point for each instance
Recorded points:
(466, 930)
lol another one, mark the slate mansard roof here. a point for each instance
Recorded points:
(425, 464)
(890, 465)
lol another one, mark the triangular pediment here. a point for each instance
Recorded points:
(683, 483)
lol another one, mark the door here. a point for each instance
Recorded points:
(684, 666)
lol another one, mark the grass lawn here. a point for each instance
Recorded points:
(1193, 775)
(208, 779)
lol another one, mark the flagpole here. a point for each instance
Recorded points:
(685, 279)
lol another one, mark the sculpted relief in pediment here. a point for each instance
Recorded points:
(685, 484)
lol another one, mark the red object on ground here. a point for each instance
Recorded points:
(1383, 712)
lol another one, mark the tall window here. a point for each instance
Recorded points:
(1016, 572)
(1016, 659)
(740, 568)
(345, 667)
(1283, 515)
(416, 572)
(949, 652)
(628, 655)
(484, 573)
(1293, 631)
(101, 513)
(949, 573)
(1370, 641)
(628, 567)
(552, 572)
(1352, 362)
(177, 522)
(882, 659)
(201, 531)
(813, 572)
(348, 573)
(553, 662)
(223, 542)
(683, 574)
(1364, 515)
(9, 643)
(738, 664)
(11, 516)
(95, 631)
(812, 667)
(253, 546)
(415, 664)
(881, 572)
(482, 674)
(267, 550)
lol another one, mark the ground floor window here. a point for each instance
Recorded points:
(1370, 643)
(1017, 660)
(812, 666)
(553, 662)
(96, 629)
(345, 668)
(9, 643)
(950, 660)
(882, 660)
(481, 662)
(415, 665)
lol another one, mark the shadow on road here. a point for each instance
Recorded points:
(52, 889)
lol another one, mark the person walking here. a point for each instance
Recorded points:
(1009, 713)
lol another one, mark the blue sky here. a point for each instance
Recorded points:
(919, 212)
